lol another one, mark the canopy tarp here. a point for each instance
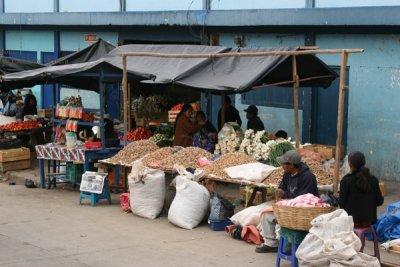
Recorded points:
(228, 74)
(91, 53)
(11, 65)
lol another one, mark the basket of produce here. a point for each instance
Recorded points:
(298, 217)
(92, 145)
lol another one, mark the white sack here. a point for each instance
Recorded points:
(255, 172)
(250, 215)
(332, 242)
(147, 191)
(190, 205)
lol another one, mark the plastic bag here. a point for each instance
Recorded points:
(124, 201)
(190, 205)
(147, 190)
(221, 208)
(10, 109)
(250, 216)
(255, 172)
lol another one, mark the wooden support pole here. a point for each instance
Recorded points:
(342, 93)
(129, 107)
(223, 107)
(245, 54)
(296, 100)
(125, 91)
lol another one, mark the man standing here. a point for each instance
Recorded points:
(297, 180)
(253, 121)
(231, 114)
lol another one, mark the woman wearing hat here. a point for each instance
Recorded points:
(253, 121)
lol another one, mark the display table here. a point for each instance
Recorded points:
(62, 153)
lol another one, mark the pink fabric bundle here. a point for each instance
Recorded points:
(307, 200)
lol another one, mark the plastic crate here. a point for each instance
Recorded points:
(219, 225)
(74, 172)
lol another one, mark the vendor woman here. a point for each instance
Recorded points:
(185, 128)
(360, 194)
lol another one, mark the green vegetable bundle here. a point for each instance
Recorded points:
(277, 151)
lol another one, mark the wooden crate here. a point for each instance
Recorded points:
(172, 115)
(327, 152)
(15, 154)
(45, 113)
(15, 165)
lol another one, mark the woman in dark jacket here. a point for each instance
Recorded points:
(360, 194)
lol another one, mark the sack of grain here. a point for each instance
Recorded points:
(147, 191)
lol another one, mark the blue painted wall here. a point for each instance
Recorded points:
(274, 119)
(256, 4)
(161, 5)
(38, 41)
(355, 3)
(74, 41)
(89, 5)
(373, 123)
(28, 6)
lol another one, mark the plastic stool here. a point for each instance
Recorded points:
(94, 198)
(286, 256)
(361, 232)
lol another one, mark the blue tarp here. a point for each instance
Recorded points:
(388, 225)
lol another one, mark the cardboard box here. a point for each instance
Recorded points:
(15, 154)
(45, 113)
(327, 152)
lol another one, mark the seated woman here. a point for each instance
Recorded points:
(360, 194)
(206, 137)
(184, 128)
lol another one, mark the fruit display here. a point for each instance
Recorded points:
(140, 133)
(177, 107)
(161, 140)
(20, 126)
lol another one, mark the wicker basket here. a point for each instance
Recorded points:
(298, 218)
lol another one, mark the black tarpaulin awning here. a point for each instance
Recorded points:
(91, 53)
(228, 74)
(11, 65)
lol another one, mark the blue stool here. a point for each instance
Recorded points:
(286, 256)
(94, 198)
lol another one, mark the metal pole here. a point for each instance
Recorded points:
(125, 94)
(101, 93)
(296, 100)
(342, 93)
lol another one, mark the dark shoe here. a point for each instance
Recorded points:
(30, 184)
(266, 249)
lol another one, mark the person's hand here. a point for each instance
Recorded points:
(279, 193)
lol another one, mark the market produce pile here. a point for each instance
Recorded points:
(151, 104)
(20, 126)
(177, 107)
(217, 167)
(163, 136)
(140, 133)
(153, 159)
(132, 152)
(188, 157)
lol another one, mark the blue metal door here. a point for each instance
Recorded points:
(214, 103)
(325, 112)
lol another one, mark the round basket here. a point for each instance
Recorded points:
(298, 218)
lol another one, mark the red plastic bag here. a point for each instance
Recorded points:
(125, 202)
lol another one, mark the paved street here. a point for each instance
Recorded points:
(48, 228)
